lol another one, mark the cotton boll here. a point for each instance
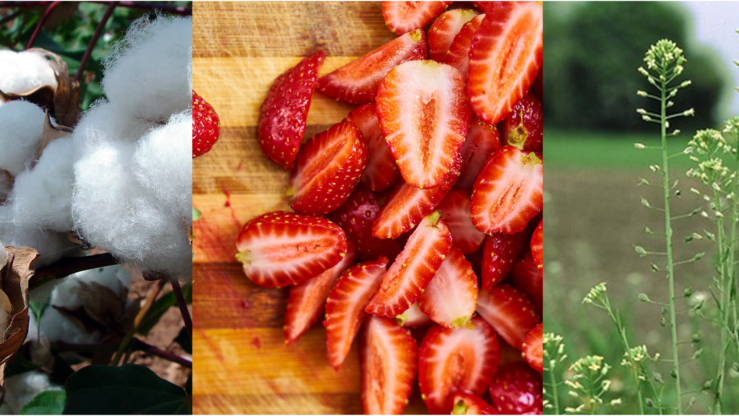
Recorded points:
(32, 328)
(22, 72)
(20, 389)
(21, 126)
(106, 122)
(115, 278)
(147, 72)
(58, 327)
(51, 245)
(162, 163)
(3, 254)
(4, 187)
(42, 196)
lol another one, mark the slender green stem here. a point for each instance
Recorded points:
(622, 331)
(555, 393)
(724, 306)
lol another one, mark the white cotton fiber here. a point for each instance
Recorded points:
(22, 72)
(116, 278)
(21, 125)
(106, 122)
(51, 245)
(58, 327)
(20, 389)
(113, 211)
(162, 163)
(147, 72)
(3, 254)
(42, 197)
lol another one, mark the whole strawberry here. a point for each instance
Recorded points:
(206, 126)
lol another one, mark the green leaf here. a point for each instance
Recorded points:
(45, 403)
(159, 307)
(184, 340)
(129, 389)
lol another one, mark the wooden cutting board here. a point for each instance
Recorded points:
(241, 363)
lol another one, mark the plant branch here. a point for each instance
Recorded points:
(180, 10)
(11, 16)
(95, 36)
(182, 304)
(139, 345)
(41, 22)
(150, 298)
(70, 265)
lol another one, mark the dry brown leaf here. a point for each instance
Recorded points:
(51, 133)
(42, 96)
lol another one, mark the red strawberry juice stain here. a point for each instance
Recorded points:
(245, 304)
(239, 166)
(256, 342)
(228, 197)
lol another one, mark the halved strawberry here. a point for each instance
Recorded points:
(283, 248)
(499, 255)
(506, 54)
(307, 299)
(537, 247)
(451, 297)
(345, 307)
(413, 269)
(357, 81)
(284, 111)
(487, 6)
(206, 126)
(451, 360)
(509, 311)
(532, 348)
(537, 88)
(517, 390)
(381, 172)
(459, 50)
(413, 317)
(408, 205)
(508, 191)
(482, 140)
(328, 169)
(444, 29)
(467, 404)
(528, 279)
(455, 211)
(424, 114)
(388, 359)
(404, 16)
(524, 126)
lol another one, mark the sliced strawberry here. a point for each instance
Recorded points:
(506, 54)
(451, 297)
(517, 390)
(206, 126)
(508, 191)
(509, 311)
(388, 358)
(413, 269)
(284, 111)
(537, 247)
(527, 278)
(482, 140)
(487, 6)
(459, 50)
(345, 307)
(408, 205)
(283, 248)
(381, 172)
(455, 211)
(444, 29)
(500, 253)
(405, 16)
(357, 81)
(467, 404)
(451, 360)
(537, 88)
(424, 114)
(413, 317)
(532, 348)
(524, 126)
(307, 299)
(328, 169)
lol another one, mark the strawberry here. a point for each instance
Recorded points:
(532, 348)
(455, 211)
(388, 359)
(527, 278)
(451, 296)
(508, 191)
(307, 299)
(381, 172)
(459, 51)
(524, 126)
(284, 112)
(482, 140)
(283, 248)
(327, 170)
(413, 317)
(408, 205)
(345, 307)
(509, 311)
(425, 145)
(537, 247)
(487, 6)
(444, 29)
(357, 81)
(413, 269)
(537, 88)
(500, 253)
(451, 360)
(505, 56)
(206, 126)
(517, 389)
(467, 404)
(355, 217)
(404, 16)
